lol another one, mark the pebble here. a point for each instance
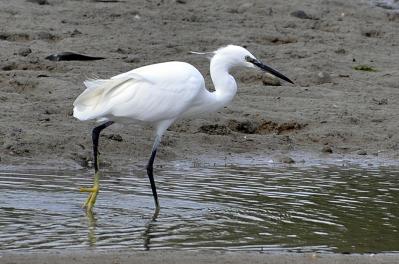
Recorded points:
(246, 126)
(132, 59)
(371, 33)
(244, 7)
(341, 51)
(9, 66)
(323, 77)
(283, 159)
(315, 78)
(24, 52)
(270, 81)
(40, 2)
(45, 35)
(362, 152)
(393, 16)
(383, 101)
(327, 149)
(290, 24)
(83, 159)
(301, 14)
(75, 32)
(115, 137)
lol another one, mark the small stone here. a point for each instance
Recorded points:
(301, 14)
(383, 101)
(371, 33)
(341, 51)
(43, 119)
(323, 77)
(75, 32)
(315, 78)
(84, 159)
(40, 2)
(9, 66)
(43, 35)
(354, 120)
(122, 51)
(244, 7)
(132, 59)
(327, 149)
(283, 159)
(24, 52)
(290, 24)
(34, 60)
(268, 80)
(362, 152)
(394, 16)
(246, 126)
(115, 137)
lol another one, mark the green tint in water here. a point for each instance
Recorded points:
(324, 209)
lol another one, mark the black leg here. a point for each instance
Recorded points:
(95, 136)
(151, 176)
(91, 200)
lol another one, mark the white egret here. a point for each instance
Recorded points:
(158, 95)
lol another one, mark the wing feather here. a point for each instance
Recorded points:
(134, 96)
(91, 103)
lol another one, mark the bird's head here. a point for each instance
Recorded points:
(238, 56)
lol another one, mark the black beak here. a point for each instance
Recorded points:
(267, 69)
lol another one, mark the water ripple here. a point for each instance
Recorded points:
(325, 209)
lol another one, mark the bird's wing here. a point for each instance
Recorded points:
(136, 97)
(90, 104)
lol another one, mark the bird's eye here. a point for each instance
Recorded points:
(248, 58)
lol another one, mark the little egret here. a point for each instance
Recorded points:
(158, 95)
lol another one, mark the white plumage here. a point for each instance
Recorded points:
(159, 94)
(150, 94)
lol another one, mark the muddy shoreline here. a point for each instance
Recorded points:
(191, 257)
(335, 111)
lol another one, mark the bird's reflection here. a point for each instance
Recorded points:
(92, 223)
(148, 228)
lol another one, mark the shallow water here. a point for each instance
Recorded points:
(318, 209)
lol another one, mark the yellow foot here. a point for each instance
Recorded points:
(91, 200)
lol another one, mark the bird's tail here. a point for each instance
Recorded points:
(91, 104)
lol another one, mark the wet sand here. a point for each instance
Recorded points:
(166, 257)
(333, 111)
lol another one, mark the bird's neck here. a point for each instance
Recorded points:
(225, 85)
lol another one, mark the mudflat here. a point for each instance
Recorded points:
(342, 56)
